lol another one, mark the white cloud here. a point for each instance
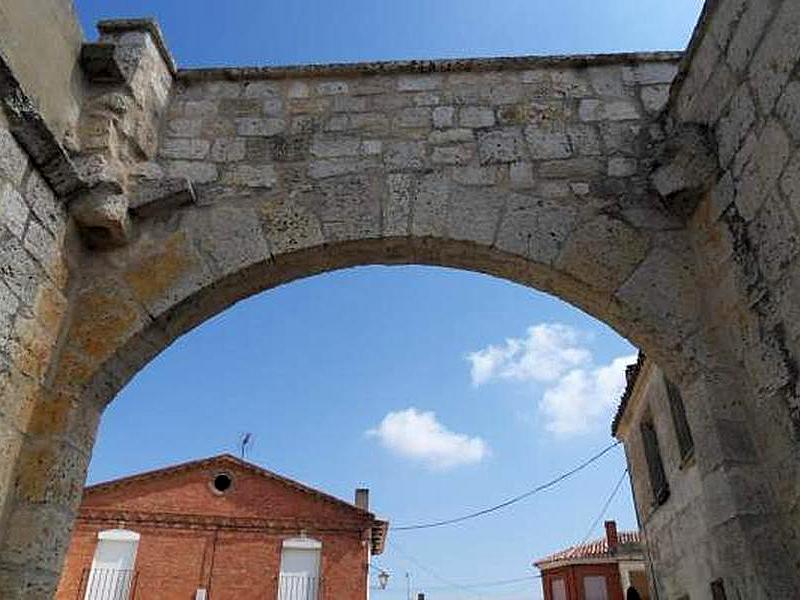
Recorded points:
(579, 395)
(420, 436)
(583, 398)
(548, 351)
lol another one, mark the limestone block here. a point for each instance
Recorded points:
(350, 104)
(521, 175)
(298, 90)
(350, 207)
(475, 175)
(607, 81)
(654, 73)
(42, 246)
(748, 33)
(261, 89)
(603, 251)
(186, 149)
(37, 535)
(290, 226)
(335, 147)
(261, 176)
(443, 116)
(536, 228)
(426, 99)
(501, 146)
(332, 88)
(476, 116)
(198, 109)
(196, 171)
(413, 117)
(546, 144)
(460, 154)
(775, 235)
(228, 149)
(790, 184)
(333, 167)
(733, 128)
(185, 127)
(473, 214)
(250, 127)
(397, 207)
(762, 172)
(418, 83)
(13, 210)
(788, 110)
(13, 160)
(103, 218)
(571, 168)
(372, 122)
(429, 212)
(655, 98)
(40, 198)
(591, 110)
(404, 156)
(451, 136)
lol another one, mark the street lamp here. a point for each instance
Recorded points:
(383, 579)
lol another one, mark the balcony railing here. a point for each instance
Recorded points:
(107, 584)
(298, 587)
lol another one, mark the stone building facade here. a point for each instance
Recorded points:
(657, 192)
(219, 528)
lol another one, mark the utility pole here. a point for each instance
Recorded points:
(408, 585)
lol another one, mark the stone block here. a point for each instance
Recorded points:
(350, 207)
(413, 117)
(418, 83)
(622, 167)
(13, 160)
(429, 212)
(443, 116)
(335, 147)
(479, 176)
(473, 214)
(459, 154)
(397, 208)
(228, 149)
(655, 98)
(733, 128)
(521, 175)
(185, 149)
(13, 210)
(251, 127)
(334, 167)
(332, 88)
(47, 208)
(762, 172)
(290, 226)
(404, 156)
(547, 144)
(501, 146)
(476, 116)
(788, 110)
(451, 136)
(260, 176)
(536, 228)
(196, 171)
(748, 33)
(42, 246)
(184, 127)
(591, 110)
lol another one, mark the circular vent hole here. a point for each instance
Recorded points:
(222, 482)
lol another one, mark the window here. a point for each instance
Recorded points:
(718, 590)
(559, 589)
(594, 588)
(112, 576)
(682, 431)
(658, 479)
(300, 567)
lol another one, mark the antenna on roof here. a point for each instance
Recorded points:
(247, 439)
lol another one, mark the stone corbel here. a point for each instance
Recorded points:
(685, 168)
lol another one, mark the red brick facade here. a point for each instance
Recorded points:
(194, 537)
(573, 576)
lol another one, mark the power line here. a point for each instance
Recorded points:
(514, 500)
(605, 507)
(449, 583)
(486, 584)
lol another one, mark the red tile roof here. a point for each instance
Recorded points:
(630, 542)
(631, 375)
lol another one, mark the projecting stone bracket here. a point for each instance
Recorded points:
(685, 168)
(100, 63)
(154, 196)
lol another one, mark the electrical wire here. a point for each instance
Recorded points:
(605, 507)
(449, 583)
(510, 501)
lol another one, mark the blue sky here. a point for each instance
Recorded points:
(443, 391)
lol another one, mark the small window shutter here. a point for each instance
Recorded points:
(658, 478)
(682, 431)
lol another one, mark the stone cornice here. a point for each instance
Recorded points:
(520, 63)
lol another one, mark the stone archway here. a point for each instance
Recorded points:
(194, 189)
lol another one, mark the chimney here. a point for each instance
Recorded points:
(611, 537)
(362, 498)
(420, 596)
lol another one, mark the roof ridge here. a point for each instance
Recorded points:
(184, 466)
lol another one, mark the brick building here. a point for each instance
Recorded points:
(605, 569)
(219, 529)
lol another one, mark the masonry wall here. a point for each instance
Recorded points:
(573, 578)
(679, 541)
(741, 84)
